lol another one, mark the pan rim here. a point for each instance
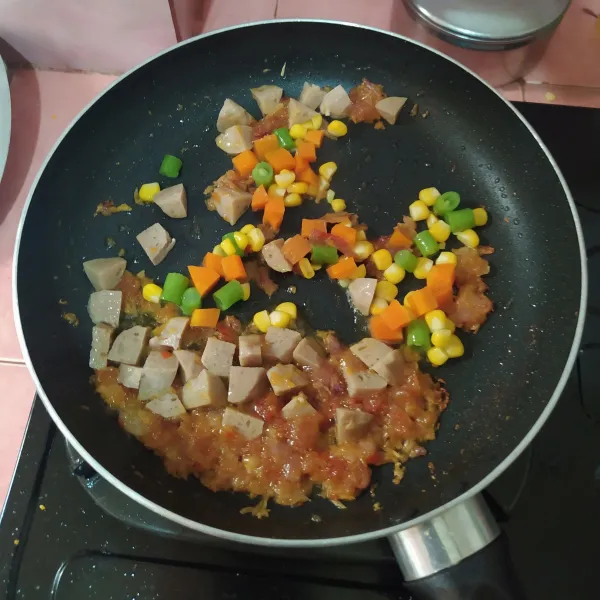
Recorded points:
(312, 542)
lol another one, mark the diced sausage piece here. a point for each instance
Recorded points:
(190, 364)
(311, 95)
(231, 204)
(156, 242)
(363, 383)
(105, 273)
(172, 201)
(235, 139)
(129, 345)
(280, 344)
(205, 390)
(389, 108)
(170, 336)
(391, 367)
(351, 425)
(370, 350)
(286, 378)
(250, 351)
(335, 103)
(274, 257)
(158, 374)
(101, 338)
(231, 114)
(105, 307)
(167, 406)
(218, 356)
(130, 376)
(245, 384)
(297, 407)
(362, 291)
(267, 97)
(309, 353)
(299, 113)
(249, 427)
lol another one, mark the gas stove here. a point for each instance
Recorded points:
(67, 534)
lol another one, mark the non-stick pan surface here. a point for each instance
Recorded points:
(471, 141)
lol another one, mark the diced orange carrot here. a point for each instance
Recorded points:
(307, 151)
(244, 162)
(310, 225)
(301, 164)
(380, 331)
(203, 278)
(342, 269)
(281, 159)
(399, 241)
(421, 301)
(273, 215)
(265, 144)
(315, 136)
(348, 234)
(440, 280)
(310, 177)
(213, 261)
(396, 316)
(205, 317)
(295, 249)
(233, 268)
(259, 198)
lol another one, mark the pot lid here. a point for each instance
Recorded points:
(489, 21)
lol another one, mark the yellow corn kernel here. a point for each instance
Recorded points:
(436, 320)
(423, 267)
(285, 178)
(148, 191)
(431, 219)
(338, 205)
(442, 245)
(308, 125)
(436, 356)
(344, 283)
(262, 321)
(228, 247)
(441, 338)
(292, 200)
(288, 307)
(440, 231)
(247, 228)
(386, 290)
(361, 235)
(378, 306)
(454, 348)
(429, 195)
(299, 187)
(219, 251)
(317, 121)
(418, 210)
(298, 131)
(280, 319)
(361, 271)
(327, 170)
(241, 239)
(363, 250)
(479, 214)
(446, 258)
(382, 259)
(337, 128)
(394, 273)
(330, 196)
(450, 325)
(257, 239)
(316, 267)
(274, 191)
(306, 268)
(468, 237)
(152, 293)
(245, 291)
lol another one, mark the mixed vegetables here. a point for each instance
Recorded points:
(274, 169)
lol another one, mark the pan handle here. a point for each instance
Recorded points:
(458, 555)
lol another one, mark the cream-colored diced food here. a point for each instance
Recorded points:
(245, 384)
(158, 374)
(298, 407)
(105, 307)
(101, 338)
(167, 406)
(218, 356)
(250, 427)
(205, 390)
(130, 376)
(190, 364)
(309, 353)
(171, 334)
(370, 350)
(391, 367)
(280, 344)
(286, 379)
(351, 424)
(129, 346)
(250, 350)
(105, 273)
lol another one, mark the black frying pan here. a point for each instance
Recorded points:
(472, 141)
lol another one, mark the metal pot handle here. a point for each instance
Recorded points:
(458, 555)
